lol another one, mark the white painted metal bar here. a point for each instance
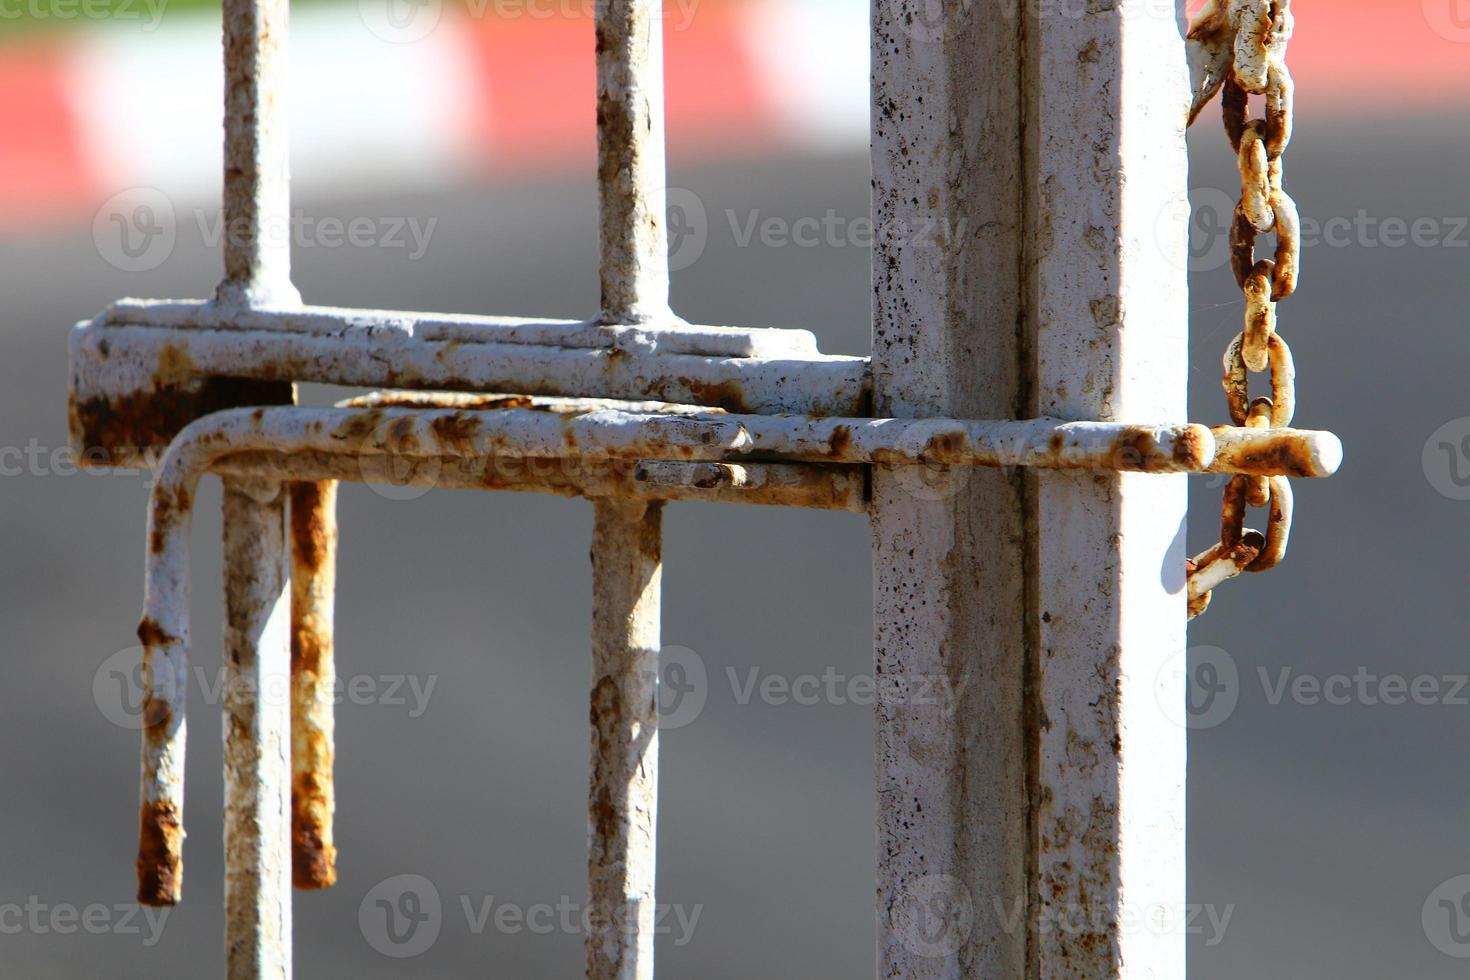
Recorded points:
(1106, 95)
(622, 825)
(622, 804)
(113, 363)
(257, 728)
(806, 485)
(257, 195)
(467, 328)
(313, 521)
(948, 593)
(633, 263)
(257, 732)
(612, 434)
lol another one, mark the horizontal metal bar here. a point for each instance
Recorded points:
(671, 337)
(1275, 452)
(809, 486)
(613, 434)
(134, 387)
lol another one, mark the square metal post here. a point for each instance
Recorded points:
(948, 544)
(1025, 160)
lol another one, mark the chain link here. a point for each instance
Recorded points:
(1245, 42)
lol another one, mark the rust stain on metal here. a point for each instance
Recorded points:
(359, 426)
(1193, 446)
(1283, 454)
(152, 635)
(112, 431)
(840, 442)
(313, 529)
(175, 366)
(606, 715)
(728, 394)
(313, 539)
(946, 447)
(475, 403)
(160, 854)
(457, 430)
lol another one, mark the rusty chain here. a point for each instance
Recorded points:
(1243, 43)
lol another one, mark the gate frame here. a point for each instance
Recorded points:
(1053, 300)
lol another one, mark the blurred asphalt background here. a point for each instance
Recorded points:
(1320, 829)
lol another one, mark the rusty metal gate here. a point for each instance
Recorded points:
(1032, 565)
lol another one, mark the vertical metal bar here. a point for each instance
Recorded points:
(1107, 95)
(257, 197)
(257, 736)
(313, 676)
(627, 537)
(630, 161)
(947, 545)
(622, 805)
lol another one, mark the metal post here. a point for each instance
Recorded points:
(630, 161)
(627, 536)
(622, 806)
(1041, 608)
(257, 194)
(947, 545)
(1107, 96)
(257, 732)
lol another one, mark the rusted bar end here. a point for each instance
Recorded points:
(161, 814)
(313, 674)
(1275, 452)
(160, 854)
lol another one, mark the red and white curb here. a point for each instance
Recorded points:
(391, 95)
